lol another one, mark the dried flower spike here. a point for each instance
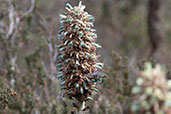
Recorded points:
(77, 61)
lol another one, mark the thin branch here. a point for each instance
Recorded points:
(30, 10)
(15, 20)
(155, 29)
(52, 49)
(11, 18)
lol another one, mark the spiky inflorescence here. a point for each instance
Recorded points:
(152, 94)
(77, 58)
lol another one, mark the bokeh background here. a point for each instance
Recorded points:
(129, 31)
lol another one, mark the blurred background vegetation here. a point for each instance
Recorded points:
(130, 31)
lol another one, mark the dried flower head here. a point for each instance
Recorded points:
(152, 91)
(78, 63)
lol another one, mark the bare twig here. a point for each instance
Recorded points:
(50, 46)
(15, 20)
(11, 18)
(155, 24)
(30, 10)
(12, 28)
(52, 49)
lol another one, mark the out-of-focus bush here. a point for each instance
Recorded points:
(152, 91)
(115, 94)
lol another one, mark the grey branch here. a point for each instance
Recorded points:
(30, 10)
(11, 18)
(155, 28)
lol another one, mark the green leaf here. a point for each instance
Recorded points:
(85, 86)
(61, 57)
(61, 16)
(97, 45)
(67, 60)
(71, 77)
(63, 87)
(93, 34)
(69, 6)
(90, 24)
(62, 48)
(95, 89)
(88, 29)
(59, 65)
(81, 6)
(62, 83)
(82, 44)
(91, 18)
(88, 55)
(89, 38)
(82, 91)
(81, 34)
(77, 85)
(77, 28)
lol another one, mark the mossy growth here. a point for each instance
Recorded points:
(6, 97)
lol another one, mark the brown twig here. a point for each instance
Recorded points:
(155, 30)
